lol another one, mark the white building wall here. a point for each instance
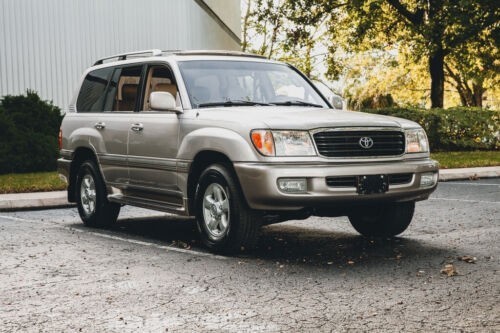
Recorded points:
(46, 45)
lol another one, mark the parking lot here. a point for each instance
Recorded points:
(149, 273)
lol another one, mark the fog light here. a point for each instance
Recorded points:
(292, 185)
(428, 179)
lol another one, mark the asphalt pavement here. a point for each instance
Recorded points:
(149, 273)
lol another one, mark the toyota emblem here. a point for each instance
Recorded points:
(366, 142)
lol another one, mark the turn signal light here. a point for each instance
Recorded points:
(263, 141)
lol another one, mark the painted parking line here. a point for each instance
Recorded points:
(123, 239)
(473, 184)
(465, 200)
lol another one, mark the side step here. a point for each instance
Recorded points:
(149, 204)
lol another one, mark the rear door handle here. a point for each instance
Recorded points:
(137, 127)
(100, 125)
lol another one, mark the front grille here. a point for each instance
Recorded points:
(352, 181)
(346, 143)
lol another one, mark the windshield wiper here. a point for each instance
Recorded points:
(231, 103)
(297, 102)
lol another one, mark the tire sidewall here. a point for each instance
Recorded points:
(216, 174)
(88, 167)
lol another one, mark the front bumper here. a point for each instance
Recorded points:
(259, 183)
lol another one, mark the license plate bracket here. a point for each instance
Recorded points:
(373, 184)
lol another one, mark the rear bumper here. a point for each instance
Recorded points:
(259, 183)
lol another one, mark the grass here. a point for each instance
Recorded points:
(49, 181)
(467, 159)
(31, 182)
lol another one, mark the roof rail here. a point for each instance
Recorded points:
(123, 56)
(217, 52)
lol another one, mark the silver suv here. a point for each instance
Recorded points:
(236, 141)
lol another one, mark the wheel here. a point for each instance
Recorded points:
(225, 222)
(93, 206)
(387, 220)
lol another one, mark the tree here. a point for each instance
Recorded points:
(473, 68)
(290, 30)
(435, 28)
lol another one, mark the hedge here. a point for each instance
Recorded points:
(454, 129)
(28, 134)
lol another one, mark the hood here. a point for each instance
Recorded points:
(300, 118)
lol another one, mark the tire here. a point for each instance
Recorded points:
(387, 220)
(225, 222)
(91, 198)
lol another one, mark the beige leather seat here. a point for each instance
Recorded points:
(166, 87)
(129, 96)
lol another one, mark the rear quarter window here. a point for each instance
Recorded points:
(93, 91)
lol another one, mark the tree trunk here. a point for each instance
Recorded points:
(478, 94)
(436, 69)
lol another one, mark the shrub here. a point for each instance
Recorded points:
(454, 129)
(28, 134)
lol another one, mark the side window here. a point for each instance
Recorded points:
(160, 78)
(123, 90)
(92, 93)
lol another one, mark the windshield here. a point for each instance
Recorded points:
(231, 83)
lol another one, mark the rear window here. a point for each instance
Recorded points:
(93, 90)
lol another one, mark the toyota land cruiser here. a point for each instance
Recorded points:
(235, 141)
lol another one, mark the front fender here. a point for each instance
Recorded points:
(224, 141)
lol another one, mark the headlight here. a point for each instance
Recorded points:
(416, 141)
(283, 143)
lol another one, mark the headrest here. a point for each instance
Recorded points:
(166, 87)
(129, 92)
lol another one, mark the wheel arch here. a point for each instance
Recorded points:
(201, 161)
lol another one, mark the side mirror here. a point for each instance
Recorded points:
(162, 101)
(336, 102)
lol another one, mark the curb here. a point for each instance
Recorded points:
(469, 173)
(35, 200)
(59, 199)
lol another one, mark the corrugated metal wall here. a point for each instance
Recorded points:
(46, 45)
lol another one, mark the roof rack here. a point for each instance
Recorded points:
(123, 56)
(217, 52)
(157, 53)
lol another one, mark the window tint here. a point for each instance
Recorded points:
(92, 92)
(125, 93)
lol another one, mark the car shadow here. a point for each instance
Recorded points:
(285, 243)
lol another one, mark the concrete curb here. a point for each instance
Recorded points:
(469, 173)
(35, 200)
(58, 199)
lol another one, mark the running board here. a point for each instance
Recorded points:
(149, 204)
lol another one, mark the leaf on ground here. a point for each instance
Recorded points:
(449, 270)
(468, 259)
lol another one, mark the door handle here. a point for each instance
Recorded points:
(100, 125)
(137, 127)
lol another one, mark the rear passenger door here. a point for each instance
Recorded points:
(153, 142)
(110, 127)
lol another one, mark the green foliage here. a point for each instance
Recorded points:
(28, 134)
(454, 129)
